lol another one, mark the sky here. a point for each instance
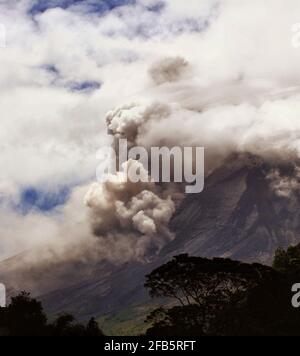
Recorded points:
(67, 63)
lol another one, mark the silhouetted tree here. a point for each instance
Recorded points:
(213, 296)
(25, 316)
(188, 320)
(266, 311)
(92, 328)
(65, 325)
(195, 280)
(288, 262)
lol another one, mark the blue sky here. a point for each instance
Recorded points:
(92, 6)
(86, 86)
(76, 67)
(63, 66)
(44, 201)
(65, 69)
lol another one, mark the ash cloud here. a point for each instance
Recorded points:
(139, 217)
(120, 210)
(227, 90)
(168, 70)
(226, 118)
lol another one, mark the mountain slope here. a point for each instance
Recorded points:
(239, 215)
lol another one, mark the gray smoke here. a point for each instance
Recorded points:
(227, 118)
(168, 70)
(135, 213)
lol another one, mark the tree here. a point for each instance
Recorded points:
(66, 325)
(288, 262)
(92, 328)
(23, 317)
(63, 324)
(181, 321)
(195, 280)
(208, 294)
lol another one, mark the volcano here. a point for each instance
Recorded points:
(240, 215)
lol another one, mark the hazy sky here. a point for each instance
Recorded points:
(67, 63)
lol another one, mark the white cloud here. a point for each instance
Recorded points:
(50, 134)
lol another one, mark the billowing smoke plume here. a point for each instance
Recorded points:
(135, 213)
(227, 118)
(138, 213)
(213, 86)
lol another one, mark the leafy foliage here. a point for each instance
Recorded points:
(224, 297)
(25, 317)
(193, 280)
(288, 262)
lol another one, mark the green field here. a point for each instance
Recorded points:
(128, 322)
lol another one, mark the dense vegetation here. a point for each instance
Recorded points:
(25, 316)
(202, 297)
(224, 297)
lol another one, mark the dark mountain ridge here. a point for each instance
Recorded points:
(239, 215)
